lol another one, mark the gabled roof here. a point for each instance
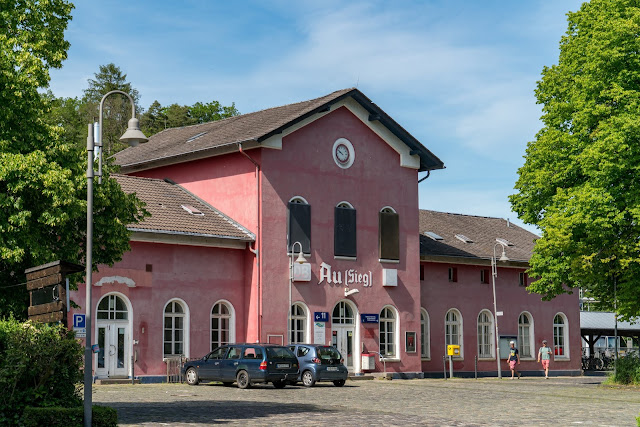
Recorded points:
(165, 200)
(482, 231)
(212, 138)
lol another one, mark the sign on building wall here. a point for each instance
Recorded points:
(370, 318)
(348, 278)
(301, 272)
(319, 333)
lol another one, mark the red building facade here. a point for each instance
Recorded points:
(335, 178)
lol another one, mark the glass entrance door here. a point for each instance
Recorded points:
(343, 332)
(113, 353)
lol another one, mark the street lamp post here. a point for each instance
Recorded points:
(132, 136)
(299, 260)
(494, 273)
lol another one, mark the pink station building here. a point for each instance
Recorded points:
(234, 202)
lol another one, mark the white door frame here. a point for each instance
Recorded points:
(128, 325)
(356, 332)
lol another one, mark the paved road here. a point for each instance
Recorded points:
(434, 402)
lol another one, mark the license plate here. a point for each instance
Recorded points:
(332, 368)
(282, 365)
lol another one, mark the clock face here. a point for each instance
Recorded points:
(342, 153)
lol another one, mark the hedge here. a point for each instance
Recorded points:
(102, 416)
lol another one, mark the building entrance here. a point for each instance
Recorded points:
(343, 333)
(114, 338)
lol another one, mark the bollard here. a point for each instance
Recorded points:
(444, 366)
(476, 366)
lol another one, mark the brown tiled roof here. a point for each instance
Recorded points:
(164, 200)
(482, 230)
(255, 127)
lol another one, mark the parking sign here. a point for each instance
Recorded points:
(79, 321)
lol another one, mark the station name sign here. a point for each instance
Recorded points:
(351, 276)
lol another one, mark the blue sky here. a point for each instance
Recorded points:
(459, 76)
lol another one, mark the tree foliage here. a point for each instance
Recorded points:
(580, 180)
(42, 170)
(158, 118)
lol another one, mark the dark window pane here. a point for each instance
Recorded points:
(345, 232)
(389, 236)
(299, 227)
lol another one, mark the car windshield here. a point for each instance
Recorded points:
(279, 353)
(328, 353)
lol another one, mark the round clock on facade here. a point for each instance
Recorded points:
(343, 153)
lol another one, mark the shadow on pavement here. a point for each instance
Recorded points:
(204, 412)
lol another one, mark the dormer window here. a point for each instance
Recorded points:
(463, 238)
(433, 235)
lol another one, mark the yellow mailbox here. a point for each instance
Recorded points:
(453, 350)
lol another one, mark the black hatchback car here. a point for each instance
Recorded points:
(320, 363)
(244, 364)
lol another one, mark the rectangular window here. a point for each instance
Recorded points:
(522, 279)
(299, 227)
(453, 274)
(485, 273)
(344, 232)
(421, 272)
(389, 236)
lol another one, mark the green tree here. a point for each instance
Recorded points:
(153, 120)
(211, 111)
(116, 109)
(158, 118)
(43, 174)
(579, 183)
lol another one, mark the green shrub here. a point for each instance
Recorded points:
(627, 370)
(40, 366)
(101, 416)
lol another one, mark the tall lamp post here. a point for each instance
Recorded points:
(299, 260)
(132, 136)
(494, 273)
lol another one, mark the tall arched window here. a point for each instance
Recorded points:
(388, 332)
(299, 225)
(344, 231)
(425, 336)
(453, 329)
(298, 324)
(222, 327)
(388, 234)
(560, 339)
(112, 307)
(485, 334)
(175, 329)
(525, 335)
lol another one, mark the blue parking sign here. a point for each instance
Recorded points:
(79, 321)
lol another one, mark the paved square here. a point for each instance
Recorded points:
(457, 402)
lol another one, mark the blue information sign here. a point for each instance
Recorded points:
(320, 316)
(370, 318)
(79, 321)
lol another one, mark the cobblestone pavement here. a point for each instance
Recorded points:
(433, 402)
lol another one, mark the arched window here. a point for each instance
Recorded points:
(342, 314)
(388, 234)
(525, 335)
(299, 225)
(453, 329)
(175, 329)
(298, 324)
(222, 325)
(388, 332)
(344, 231)
(560, 338)
(485, 334)
(425, 336)
(112, 307)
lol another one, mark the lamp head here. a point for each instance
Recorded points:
(504, 256)
(133, 136)
(300, 259)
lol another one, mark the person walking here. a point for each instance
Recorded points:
(544, 354)
(514, 358)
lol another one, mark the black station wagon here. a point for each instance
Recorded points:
(244, 364)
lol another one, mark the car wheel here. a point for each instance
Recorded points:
(279, 384)
(307, 379)
(338, 383)
(227, 384)
(243, 379)
(192, 376)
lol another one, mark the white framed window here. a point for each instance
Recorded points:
(222, 324)
(388, 332)
(425, 335)
(525, 335)
(560, 336)
(453, 329)
(299, 316)
(112, 307)
(342, 314)
(485, 335)
(176, 328)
